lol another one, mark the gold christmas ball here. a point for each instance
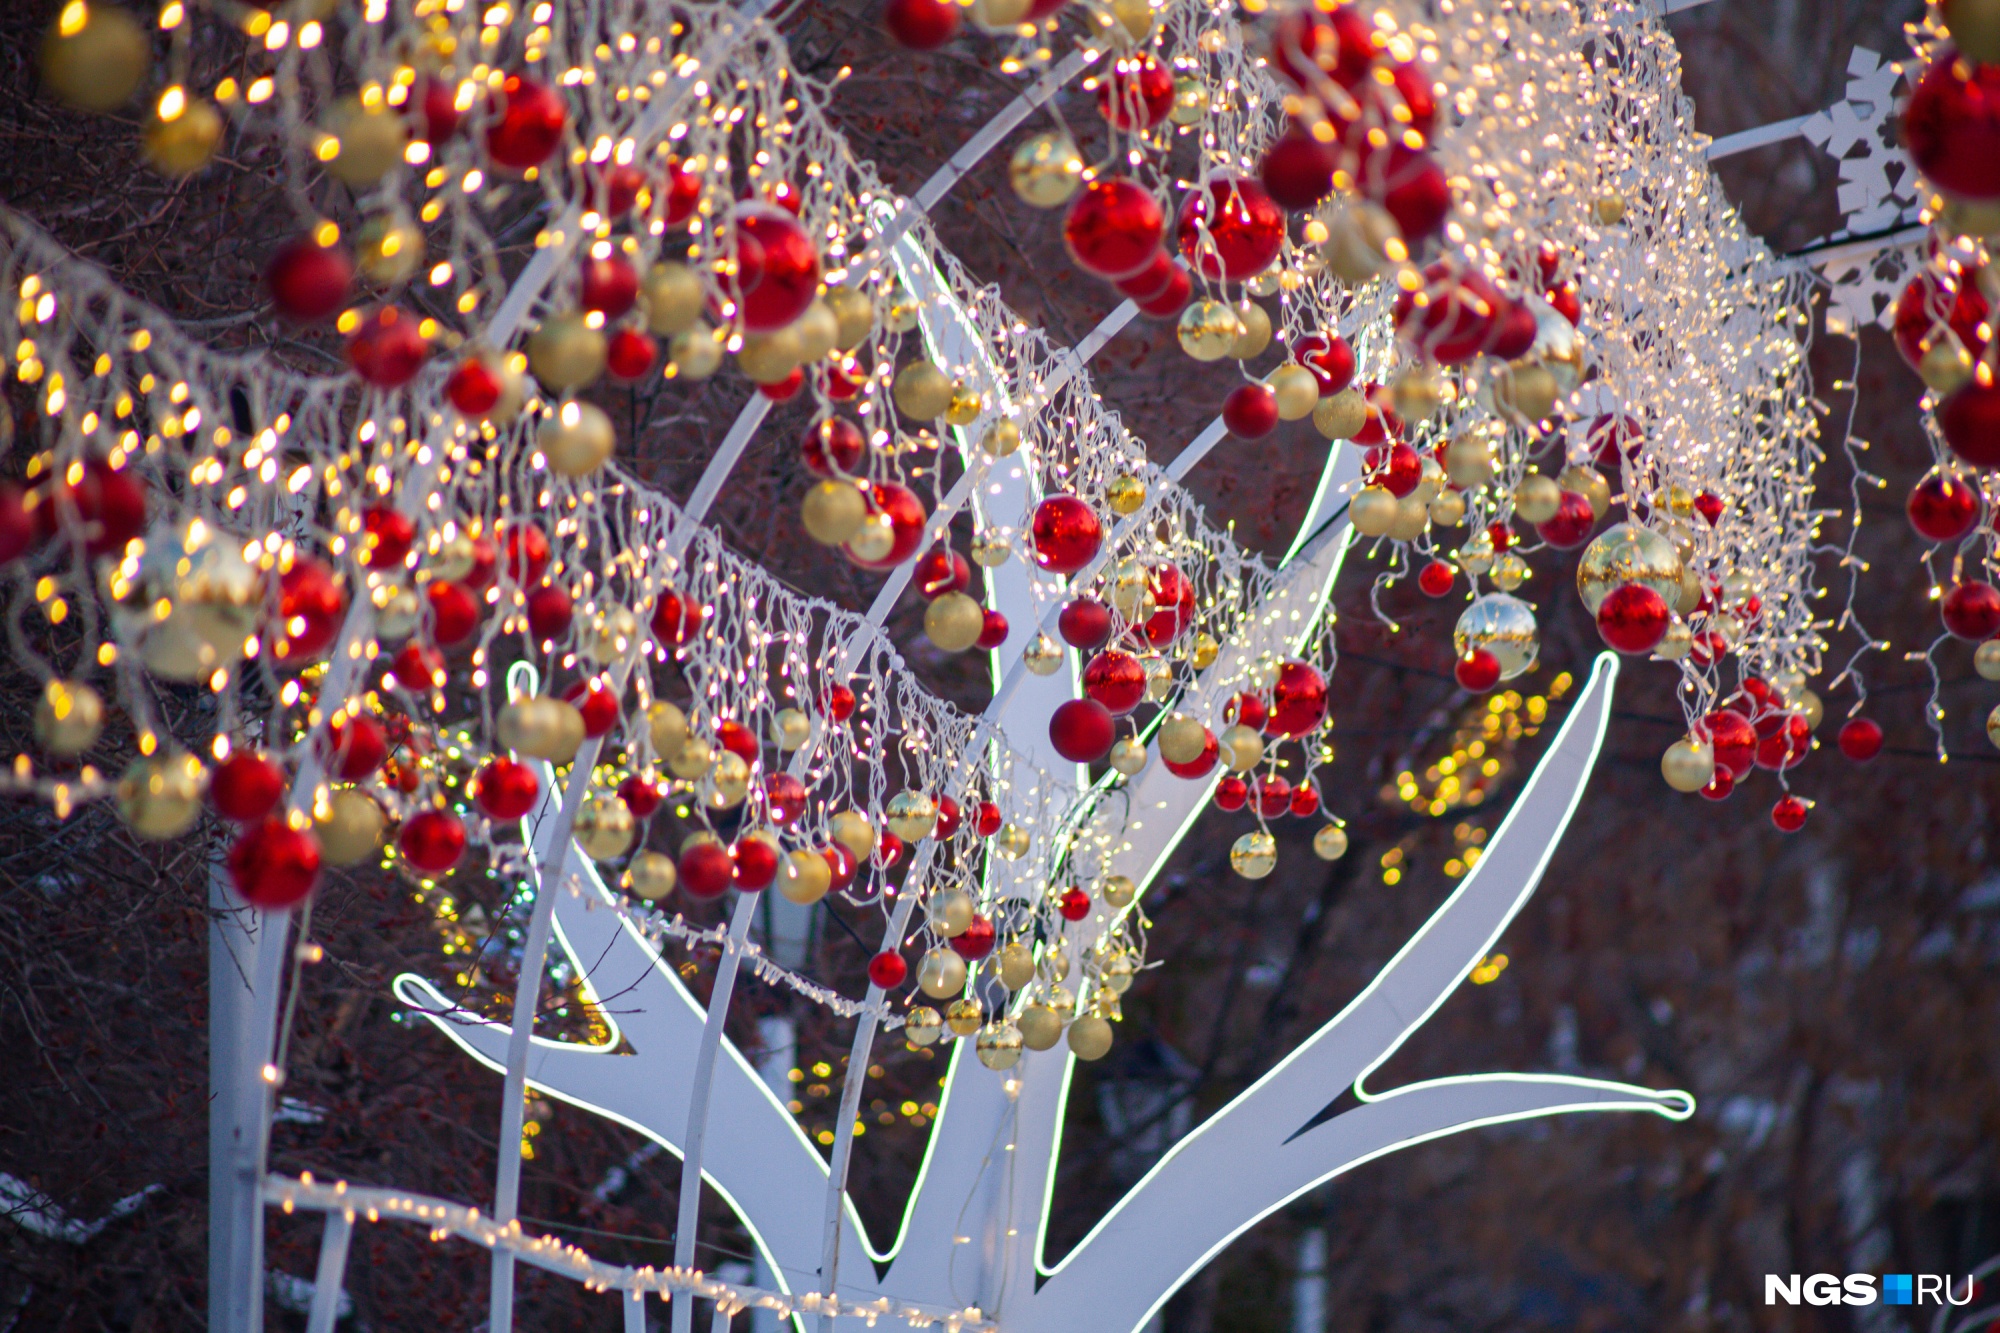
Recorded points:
(1978, 218)
(1295, 389)
(1363, 241)
(1013, 842)
(790, 729)
(965, 406)
(963, 1016)
(1130, 590)
(349, 827)
(361, 143)
(1118, 971)
(1627, 553)
(922, 391)
(1417, 394)
(173, 651)
(1986, 660)
(990, 550)
(769, 358)
(94, 56)
(1448, 510)
(1510, 571)
(398, 611)
(950, 912)
(1945, 366)
(1242, 748)
(999, 1045)
(1159, 679)
(1046, 168)
(1476, 556)
(923, 1026)
(1413, 517)
(833, 511)
(1203, 650)
(1526, 391)
(1117, 891)
(1089, 1037)
(1590, 484)
(1125, 493)
(1468, 459)
(1041, 1027)
(1430, 480)
(1342, 415)
(941, 974)
(1811, 707)
(873, 540)
(1016, 965)
(565, 353)
(1208, 330)
(1190, 101)
(651, 876)
(804, 877)
(1256, 336)
(1676, 643)
(1043, 655)
(541, 727)
(953, 622)
(701, 838)
(1373, 511)
(904, 310)
(1993, 726)
(1610, 209)
(1688, 765)
(667, 728)
(728, 781)
(1330, 843)
(853, 314)
(182, 134)
(604, 828)
(816, 332)
(1135, 17)
(450, 556)
(672, 298)
(68, 717)
(1128, 756)
(388, 247)
(850, 828)
(696, 354)
(160, 797)
(999, 15)
(910, 815)
(609, 635)
(1000, 438)
(1537, 498)
(1502, 625)
(1690, 593)
(1254, 855)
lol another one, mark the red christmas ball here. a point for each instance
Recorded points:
(437, 115)
(1074, 904)
(1305, 800)
(887, 970)
(1614, 438)
(1567, 302)
(834, 447)
(454, 612)
(1244, 229)
(1274, 795)
(1942, 507)
(1067, 534)
(787, 276)
(485, 564)
(1453, 317)
(906, 522)
(1298, 170)
(1733, 739)
(784, 798)
(104, 510)
(1173, 594)
(1138, 93)
(1298, 700)
(418, 667)
(549, 612)
(842, 865)
(1633, 618)
(1787, 745)
(1972, 611)
(524, 552)
(17, 525)
(386, 536)
(1970, 422)
(683, 193)
(754, 863)
(1247, 710)
(738, 739)
(1381, 425)
(1514, 331)
(387, 349)
(597, 705)
(353, 747)
(706, 869)
(246, 786)
(1084, 623)
(274, 865)
(1571, 525)
(1312, 46)
(888, 850)
(1082, 731)
(975, 941)
(1171, 299)
(786, 389)
(1709, 506)
(506, 789)
(677, 619)
(642, 795)
(1933, 304)
(986, 819)
(1719, 786)
(1397, 468)
(1410, 186)
(1789, 814)
(432, 841)
(1329, 358)
(1116, 680)
(1232, 793)
(629, 354)
(1477, 672)
(1202, 764)
(941, 570)
(614, 188)
(609, 286)
(528, 125)
(1113, 227)
(309, 281)
(1860, 740)
(992, 630)
(1951, 126)
(1436, 578)
(921, 25)
(1150, 281)
(1251, 411)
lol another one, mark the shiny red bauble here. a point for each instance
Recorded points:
(1116, 680)
(988, 822)
(705, 869)
(1787, 745)
(921, 25)
(1150, 281)
(387, 349)
(754, 863)
(1613, 438)
(595, 704)
(992, 630)
(1514, 331)
(886, 971)
(1411, 187)
(1971, 611)
(311, 605)
(1733, 739)
(1477, 671)
(1396, 468)
(1273, 795)
(309, 281)
(975, 941)
(786, 389)
(1084, 623)
(1951, 127)
(1202, 764)
(386, 536)
(1970, 423)
(1082, 731)
(1298, 700)
(17, 526)
(1173, 595)
(1567, 302)
(1453, 317)
(834, 447)
(246, 786)
(614, 188)
(776, 250)
(683, 193)
(474, 387)
(418, 666)
(1113, 227)
(353, 747)
(454, 612)
(676, 619)
(1719, 786)
(941, 570)
(1633, 618)
(949, 816)
(1137, 94)
(629, 354)
(274, 865)
(1067, 534)
(1709, 505)
(1305, 800)
(784, 798)
(1073, 904)
(1232, 793)
(432, 841)
(1251, 411)
(524, 552)
(528, 123)
(1860, 739)
(1789, 814)
(609, 285)
(642, 795)
(1297, 170)
(1436, 578)
(549, 612)
(1932, 304)
(1312, 46)
(888, 850)
(1571, 524)
(506, 789)
(738, 739)
(1172, 298)
(1942, 507)
(1247, 710)
(1329, 358)
(840, 863)
(1243, 229)
(906, 516)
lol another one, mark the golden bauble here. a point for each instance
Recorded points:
(1610, 209)
(1256, 336)
(804, 877)
(1811, 707)
(1688, 765)
(367, 142)
(853, 314)
(541, 727)
(922, 391)
(388, 247)
(1413, 517)
(451, 556)
(850, 828)
(160, 797)
(1448, 510)
(1993, 726)
(769, 358)
(1000, 438)
(1117, 971)
(1203, 650)
(941, 974)
(1676, 643)
(1526, 391)
(1043, 655)
(1430, 480)
(651, 876)
(1000, 15)
(953, 622)
(1986, 660)
(1590, 484)
(950, 912)
(966, 405)
(1128, 756)
(349, 827)
(1129, 587)
(1691, 592)
(172, 650)
(1627, 553)
(1945, 366)
(963, 1016)
(68, 717)
(604, 828)
(672, 298)
(1159, 679)
(790, 729)
(696, 354)
(1041, 1027)
(999, 1045)
(1013, 842)
(727, 783)
(1468, 459)
(398, 611)
(1046, 168)
(1190, 101)
(816, 332)
(1537, 498)
(565, 353)
(910, 815)
(1125, 493)
(667, 727)
(1241, 748)
(923, 1026)
(607, 636)
(184, 142)
(1978, 218)
(833, 511)
(873, 540)
(1016, 964)
(1295, 389)
(1117, 891)
(1373, 511)
(903, 311)
(1330, 843)
(1476, 556)
(1362, 242)
(1510, 571)
(1089, 1037)
(1254, 855)
(1341, 416)
(1502, 625)
(577, 439)
(94, 56)
(1417, 394)
(1208, 330)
